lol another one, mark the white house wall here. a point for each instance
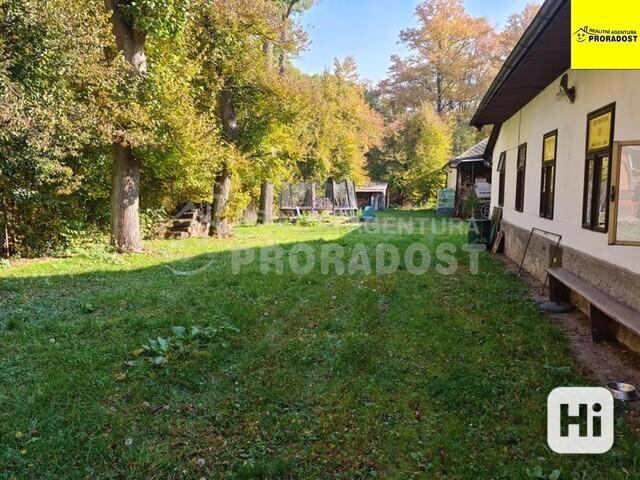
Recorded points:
(595, 89)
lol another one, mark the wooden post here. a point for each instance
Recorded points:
(355, 199)
(558, 292)
(602, 328)
(458, 201)
(313, 197)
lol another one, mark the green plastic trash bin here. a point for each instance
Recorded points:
(479, 231)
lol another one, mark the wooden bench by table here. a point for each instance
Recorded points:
(605, 310)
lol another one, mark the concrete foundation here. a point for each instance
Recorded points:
(539, 255)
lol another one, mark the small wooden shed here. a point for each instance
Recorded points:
(375, 195)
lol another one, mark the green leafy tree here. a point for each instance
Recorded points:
(288, 11)
(150, 103)
(58, 100)
(230, 36)
(342, 128)
(429, 150)
(413, 154)
(132, 22)
(183, 151)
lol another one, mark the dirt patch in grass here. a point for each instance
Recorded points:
(600, 362)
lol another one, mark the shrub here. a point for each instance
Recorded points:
(308, 220)
(153, 223)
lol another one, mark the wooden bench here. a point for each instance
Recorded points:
(605, 310)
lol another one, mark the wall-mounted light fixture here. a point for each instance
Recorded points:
(566, 92)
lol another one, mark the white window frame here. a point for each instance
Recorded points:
(615, 193)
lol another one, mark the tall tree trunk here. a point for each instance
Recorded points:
(267, 49)
(282, 59)
(125, 195)
(220, 226)
(265, 210)
(125, 192)
(440, 98)
(265, 215)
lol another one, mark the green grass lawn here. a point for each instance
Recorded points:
(320, 376)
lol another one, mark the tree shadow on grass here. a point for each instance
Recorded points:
(72, 380)
(329, 376)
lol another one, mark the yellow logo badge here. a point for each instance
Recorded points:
(605, 35)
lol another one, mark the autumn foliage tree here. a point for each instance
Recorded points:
(343, 127)
(453, 58)
(516, 25)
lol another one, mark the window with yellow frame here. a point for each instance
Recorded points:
(597, 179)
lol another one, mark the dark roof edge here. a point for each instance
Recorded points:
(547, 13)
(475, 152)
(466, 159)
(491, 145)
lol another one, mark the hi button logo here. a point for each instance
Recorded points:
(580, 420)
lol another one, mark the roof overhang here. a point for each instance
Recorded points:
(471, 160)
(459, 161)
(491, 144)
(541, 56)
(373, 189)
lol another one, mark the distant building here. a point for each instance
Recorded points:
(375, 195)
(466, 170)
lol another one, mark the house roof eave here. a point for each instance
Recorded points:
(541, 56)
